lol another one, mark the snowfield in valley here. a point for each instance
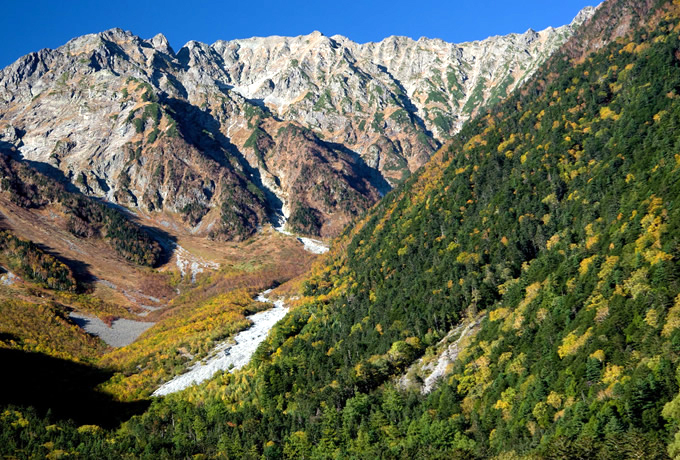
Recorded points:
(230, 354)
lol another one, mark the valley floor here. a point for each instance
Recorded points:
(120, 333)
(232, 354)
(157, 323)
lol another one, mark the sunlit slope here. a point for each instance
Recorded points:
(556, 215)
(553, 218)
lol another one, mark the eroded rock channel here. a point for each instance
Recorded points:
(233, 353)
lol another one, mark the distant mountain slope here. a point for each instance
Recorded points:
(552, 219)
(82, 216)
(230, 136)
(332, 84)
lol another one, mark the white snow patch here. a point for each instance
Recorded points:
(121, 333)
(311, 245)
(282, 214)
(280, 227)
(230, 354)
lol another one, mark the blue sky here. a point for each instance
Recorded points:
(27, 26)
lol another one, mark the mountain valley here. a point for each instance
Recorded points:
(477, 244)
(230, 136)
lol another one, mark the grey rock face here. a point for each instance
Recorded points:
(198, 132)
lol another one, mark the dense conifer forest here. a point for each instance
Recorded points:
(550, 227)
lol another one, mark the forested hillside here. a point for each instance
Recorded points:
(86, 218)
(552, 220)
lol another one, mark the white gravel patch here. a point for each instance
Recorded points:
(432, 369)
(121, 333)
(108, 284)
(313, 246)
(448, 356)
(230, 354)
(189, 263)
(9, 278)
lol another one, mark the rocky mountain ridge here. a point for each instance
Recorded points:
(424, 71)
(229, 136)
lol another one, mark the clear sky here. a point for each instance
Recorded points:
(29, 25)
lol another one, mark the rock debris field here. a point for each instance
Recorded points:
(230, 354)
(313, 246)
(122, 331)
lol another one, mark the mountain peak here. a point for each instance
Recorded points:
(160, 42)
(583, 15)
(389, 103)
(116, 33)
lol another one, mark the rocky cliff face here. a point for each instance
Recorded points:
(425, 77)
(229, 136)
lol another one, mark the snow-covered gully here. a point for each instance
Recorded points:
(230, 354)
(311, 245)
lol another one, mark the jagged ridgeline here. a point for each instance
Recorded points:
(227, 137)
(548, 227)
(554, 219)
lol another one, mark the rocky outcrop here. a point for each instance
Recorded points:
(228, 136)
(386, 101)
